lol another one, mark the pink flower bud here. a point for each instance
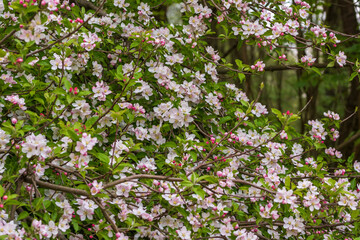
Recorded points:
(14, 121)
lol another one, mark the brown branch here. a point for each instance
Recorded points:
(294, 66)
(252, 184)
(122, 180)
(57, 187)
(89, 5)
(7, 36)
(106, 215)
(352, 139)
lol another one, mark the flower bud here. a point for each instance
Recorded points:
(14, 121)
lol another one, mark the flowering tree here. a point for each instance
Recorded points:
(116, 125)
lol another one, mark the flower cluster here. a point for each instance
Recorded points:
(116, 125)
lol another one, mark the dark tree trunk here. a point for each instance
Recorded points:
(351, 126)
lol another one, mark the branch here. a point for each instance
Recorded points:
(58, 187)
(251, 184)
(353, 138)
(89, 5)
(297, 67)
(106, 215)
(172, 179)
(165, 178)
(7, 36)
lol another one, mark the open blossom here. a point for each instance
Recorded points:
(96, 187)
(312, 201)
(184, 233)
(7, 78)
(123, 189)
(97, 69)
(332, 115)
(309, 59)
(86, 209)
(295, 224)
(52, 229)
(117, 148)
(60, 63)
(4, 139)
(173, 199)
(81, 108)
(285, 197)
(348, 200)
(86, 143)
(14, 99)
(317, 131)
(357, 166)
(101, 90)
(259, 109)
(341, 58)
(147, 164)
(36, 146)
(259, 66)
(144, 89)
(121, 4)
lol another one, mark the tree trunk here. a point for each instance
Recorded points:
(350, 26)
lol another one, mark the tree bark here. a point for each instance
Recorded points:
(351, 126)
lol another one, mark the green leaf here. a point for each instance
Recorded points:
(355, 213)
(331, 64)
(76, 226)
(186, 183)
(316, 70)
(91, 121)
(276, 111)
(67, 84)
(287, 182)
(310, 237)
(40, 100)
(103, 157)
(193, 156)
(225, 119)
(208, 178)
(193, 177)
(241, 77)
(239, 63)
(353, 75)
(169, 144)
(23, 215)
(73, 135)
(199, 191)
(38, 203)
(31, 8)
